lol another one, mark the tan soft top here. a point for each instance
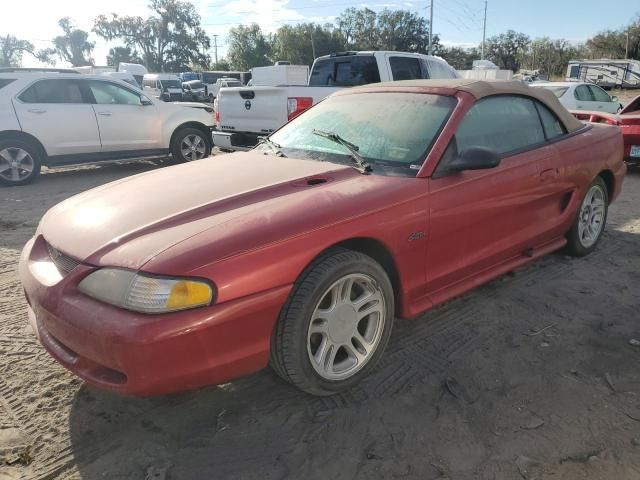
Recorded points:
(484, 88)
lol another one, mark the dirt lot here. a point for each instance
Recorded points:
(531, 376)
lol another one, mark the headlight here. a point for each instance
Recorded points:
(144, 293)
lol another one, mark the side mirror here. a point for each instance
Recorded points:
(475, 158)
(144, 100)
(614, 99)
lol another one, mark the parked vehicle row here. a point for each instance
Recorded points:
(245, 114)
(57, 118)
(379, 202)
(627, 119)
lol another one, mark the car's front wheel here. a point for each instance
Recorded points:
(335, 325)
(190, 144)
(589, 224)
(19, 162)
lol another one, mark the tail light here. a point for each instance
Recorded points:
(297, 105)
(217, 117)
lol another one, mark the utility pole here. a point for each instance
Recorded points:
(626, 50)
(484, 29)
(313, 45)
(215, 48)
(431, 27)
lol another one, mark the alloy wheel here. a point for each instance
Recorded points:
(592, 213)
(16, 164)
(346, 327)
(193, 147)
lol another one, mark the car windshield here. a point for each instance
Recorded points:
(557, 91)
(232, 83)
(393, 131)
(195, 84)
(171, 83)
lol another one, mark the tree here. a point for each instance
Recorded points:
(169, 40)
(550, 56)
(122, 54)
(12, 49)
(459, 58)
(613, 43)
(301, 44)
(506, 49)
(74, 46)
(248, 47)
(402, 30)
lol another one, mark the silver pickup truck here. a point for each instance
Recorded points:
(245, 114)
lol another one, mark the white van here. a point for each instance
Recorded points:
(165, 86)
(138, 71)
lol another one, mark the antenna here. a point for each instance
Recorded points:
(484, 29)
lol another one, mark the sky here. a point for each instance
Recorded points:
(457, 22)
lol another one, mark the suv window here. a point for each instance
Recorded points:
(149, 83)
(599, 94)
(405, 68)
(502, 123)
(345, 71)
(583, 93)
(53, 91)
(112, 94)
(553, 127)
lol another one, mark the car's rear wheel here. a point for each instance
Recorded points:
(589, 224)
(335, 325)
(19, 162)
(190, 144)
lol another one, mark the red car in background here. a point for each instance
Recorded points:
(628, 119)
(379, 202)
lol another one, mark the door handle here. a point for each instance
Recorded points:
(37, 110)
(549, 174)
(105, 114)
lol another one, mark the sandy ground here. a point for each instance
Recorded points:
(531, 376)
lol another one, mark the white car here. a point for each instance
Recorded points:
(582, 96)
(60, 117)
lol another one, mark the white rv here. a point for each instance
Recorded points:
(605, 72)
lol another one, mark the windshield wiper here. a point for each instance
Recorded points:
(273, 146)
(360, 163)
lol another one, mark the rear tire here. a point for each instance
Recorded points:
(20, 162)
(190, 144)
(335, 325)
(587, 229)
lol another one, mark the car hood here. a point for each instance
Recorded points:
(128, 222)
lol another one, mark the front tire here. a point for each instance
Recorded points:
(20, 162)
(587, 229)
(336, 324)
(190, 144)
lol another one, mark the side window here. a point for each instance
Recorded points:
(53, 91)
(149, 83)
(583, 93)
(599, 94)
(345, 71)
(405, 68)
(502, 123)
(553, 127)
(106, 93)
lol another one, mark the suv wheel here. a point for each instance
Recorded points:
(190, 144)
(19, 162)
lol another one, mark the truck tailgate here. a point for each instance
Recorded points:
(252, 109)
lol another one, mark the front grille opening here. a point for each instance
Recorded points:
(64, 263)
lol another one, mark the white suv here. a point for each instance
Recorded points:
(60, 117)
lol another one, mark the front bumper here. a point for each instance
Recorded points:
(141, 354)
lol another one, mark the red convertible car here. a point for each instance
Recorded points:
(379, 202)
(627, 119)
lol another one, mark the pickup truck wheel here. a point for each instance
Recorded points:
(590, 222)
(190, 144)
(19, 162)
(336, 324)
